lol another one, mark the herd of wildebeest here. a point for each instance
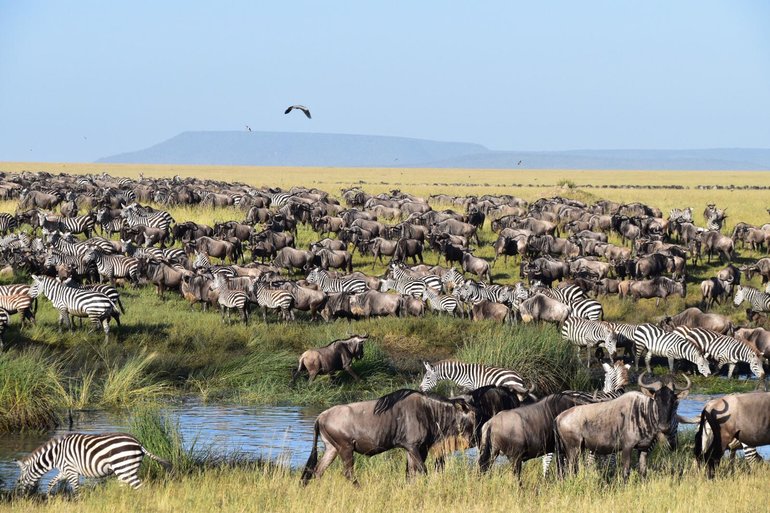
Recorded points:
(569, 254)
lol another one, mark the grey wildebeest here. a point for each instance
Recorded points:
(694, 318)
(409, 419)
(476, 265)
(375, 303)
(543, 308)
(630, 422)
(164, 276)
(290, 258)
(334, 357)
(728, 422)
(658, 288)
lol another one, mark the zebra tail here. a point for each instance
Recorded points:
(485, 447)
(706, 444)
(307, 474)
(164, 463)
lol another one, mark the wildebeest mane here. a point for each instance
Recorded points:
(387, 402)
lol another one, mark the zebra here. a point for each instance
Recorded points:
(160, 219)
(759, 301)
(588, 308)
(474, 375)
(625, 334)
(277, 199)
(567, 295)
(615, 379)
(89, 455)
(683, 215)
(79, 224)
(7, 223)
(203, 263)
(73, 264)
(79, 303)
(60, 242)
(114, 266)
(108, 223)
(4, 320)
(589, 333)
(452, 277)
(229, 298)
(273, 299)
(406, 284)
(723, 350)
(328, 284)
(107, 290)
(21, 304)
(475, 293)
(441, 302)
(651, 340)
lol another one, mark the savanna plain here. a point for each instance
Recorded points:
(165, 352)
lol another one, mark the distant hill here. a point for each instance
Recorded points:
(343, 150)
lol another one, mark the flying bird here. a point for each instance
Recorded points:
(519, 163)
(299, 107)
(248, 128)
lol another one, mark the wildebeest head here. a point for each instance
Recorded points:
(355, 345)
(666, 396)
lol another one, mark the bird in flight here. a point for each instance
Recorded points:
(248, 128)
(299, 107)
(519, 163)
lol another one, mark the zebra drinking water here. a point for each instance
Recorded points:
(89, 455)
(650, 340)
(588, 333)
(472, 376)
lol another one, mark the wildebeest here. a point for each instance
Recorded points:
(716, 243)
(334, 357)
(694, 318)
(543, 308)
(731, 420)
(658, 288)
(290, 258)
(225, 250)
(305, 299)
(375, 303)
(759, 338)
(476, 265)
(408, 419)
(488, 310)
(164, 276)
(630, 422)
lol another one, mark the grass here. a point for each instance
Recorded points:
(30, 392)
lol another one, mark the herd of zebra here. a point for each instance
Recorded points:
(69, 265)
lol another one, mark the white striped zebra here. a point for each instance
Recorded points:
(160, 219)
(452, 277)
(76, 264)
(79, 224)
(471, 376)
(758, 301)
(111, 267)
(108, 223)
(4, 320)
(89, 455)
(406, 284)
(203, 263)
(277, 199)
(108, 290)
(328, 284)
(723, 349)
(274, 299)
(58, 241)
(681, 214)
(7, 223)
(588, 333)
(475, 293)
(588, 308)
(566, 295)
(21, 304)
(651, 340)
(625, 334)
(441, 302)
(79, 303)
(229, 298)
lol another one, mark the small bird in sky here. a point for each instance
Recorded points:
(519, 163)
(248, 128)
(299, 107)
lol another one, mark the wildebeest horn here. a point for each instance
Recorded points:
(680, 389)
(654, 387)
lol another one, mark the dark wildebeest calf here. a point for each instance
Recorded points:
(337, 356)
(412, 420)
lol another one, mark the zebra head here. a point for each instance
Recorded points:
(611, 342)
(36, 288)
(755, 364)
(385, 285)
(703, 365)
(314, 276)
(28, 477)
(430, 379)
(739, 293)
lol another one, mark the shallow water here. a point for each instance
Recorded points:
(278, 433)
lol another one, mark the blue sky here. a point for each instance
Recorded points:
(84, 79)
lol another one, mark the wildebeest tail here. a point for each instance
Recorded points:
(312, 460)
(559, 452)
(300, 368)
(485, 447)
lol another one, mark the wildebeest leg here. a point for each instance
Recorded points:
(329, 454)
(642, 463)
(415, 462)
(350, 371)
(626, 454)
(346, 454)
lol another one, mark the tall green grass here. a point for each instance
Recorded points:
(30, 392)
(129, 383)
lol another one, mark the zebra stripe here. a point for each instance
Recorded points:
(328, 284)
(114, 266)
(472, 292)
(589, 333)
(108, 290)
(567, 295)
(723, 349)
(79, 303)
(625, 334)
(79, 224)
(273, 299)
(589, 309)
(229, 298)
(4, 320)
(650, 340)
(472, 376)
(440, 302)
(759, 301)
(7, 222)
(21, 304)
(89, 455)
(160, 219)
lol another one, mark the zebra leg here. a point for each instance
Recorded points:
(58, 479)
(647, 359)
(547, 463)
(106, 327)
(730, 369)
(670, 364)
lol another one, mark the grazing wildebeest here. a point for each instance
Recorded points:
(334, 259)
(408, 419)
(305, 298)
(219, 248)
(475, 265)
(658, 288)
(334, 357)
(408, 248)
(630, 422)
(543, 308)
(290, 258)
(375, 303)
(712, 291)
(546, 270)
(729, 421)
(164, 276)
(694, 318)
(488, 310)
(714, 242)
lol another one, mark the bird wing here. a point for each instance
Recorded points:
(288, 110)
(307, 112)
